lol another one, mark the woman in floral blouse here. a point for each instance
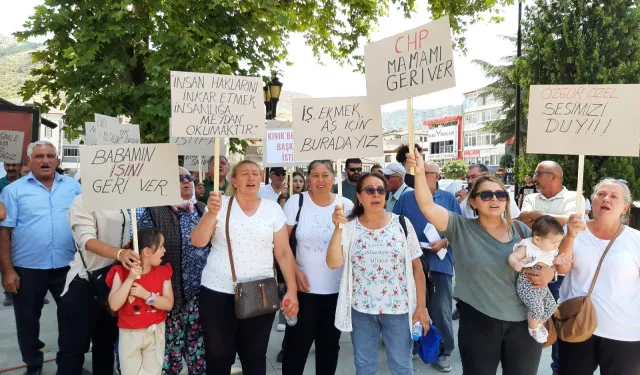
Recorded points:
(383, 286)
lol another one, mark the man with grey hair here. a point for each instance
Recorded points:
(552, 199)
(36, 244)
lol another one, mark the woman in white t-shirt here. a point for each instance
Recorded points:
(317, 284)
(615, 344)
(383, 288)
(257, 233)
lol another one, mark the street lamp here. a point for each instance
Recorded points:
(271, 96)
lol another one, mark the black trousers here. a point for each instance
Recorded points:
(315, 323)
(484, 342)
(27, 306)
(83, 321)
(224, 335)
(614, 357)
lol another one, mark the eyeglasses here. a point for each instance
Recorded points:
(355, 169)
(187, 177)
(279, 173)
(428, 173)
(488, 195)
(370, 190)
(473, 176)
(540, 173)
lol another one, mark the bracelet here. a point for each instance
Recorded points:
(118, 256)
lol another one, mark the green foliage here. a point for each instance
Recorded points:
(114, 57)
(506, 161)
(454, 169)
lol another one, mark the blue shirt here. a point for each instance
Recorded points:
(41, 237)
(193, 258)
(408, 207)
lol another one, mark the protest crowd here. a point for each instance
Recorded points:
(373, 265)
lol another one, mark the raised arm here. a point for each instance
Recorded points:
(202, 233)
(335, 256)
(575, 225)
(437, 215)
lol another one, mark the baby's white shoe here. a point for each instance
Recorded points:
(540, 334)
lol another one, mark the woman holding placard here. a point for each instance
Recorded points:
(318, 285)
(493, 319)
(250, 231)
(383, 287)
(615, 297)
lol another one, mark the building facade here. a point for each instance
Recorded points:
(445, 139)
(477, 144)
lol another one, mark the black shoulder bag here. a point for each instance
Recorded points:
(97, 278)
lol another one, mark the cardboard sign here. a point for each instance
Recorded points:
(102, 120)
(337, 128)
(125, 176)
(416, 62)
(11, 146)
(196, 145)
(279, 149)
(90, 134)
(277, 124)
(191, 163)
(118, 134)
(213, 105)
(584, 120)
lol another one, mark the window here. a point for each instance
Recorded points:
(47, 132)
(442, 147)
(387, 158)
(70, 151)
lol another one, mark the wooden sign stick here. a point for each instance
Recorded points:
(216, 166)
(200, 168)
(290, 181)
(134, 239)
(410, 122)
(339, 168)
(579, 194)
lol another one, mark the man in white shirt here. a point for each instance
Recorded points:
(473, 174)
(274, 189)
(395, 174)
(551, 199)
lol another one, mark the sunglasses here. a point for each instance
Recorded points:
(186, 177)
(355, 169)
(488, 195)
(279, 173)
(370, 190)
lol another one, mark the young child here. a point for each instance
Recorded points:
(142, 298)
(542, 247)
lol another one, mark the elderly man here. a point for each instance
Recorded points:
(203, 190)
(36, 244)
(551, 199)
(184, 338)
(273, 190)
(440, 267)
(473, 174)
(395, 174)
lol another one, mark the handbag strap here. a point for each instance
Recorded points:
(226, 231)
(595, 277)
(519, 229)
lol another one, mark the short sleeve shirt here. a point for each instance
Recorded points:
(251, 244)
(484, 278)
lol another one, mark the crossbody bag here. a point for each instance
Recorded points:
(252, 298)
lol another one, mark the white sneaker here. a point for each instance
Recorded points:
(540, 334)
(281, 328)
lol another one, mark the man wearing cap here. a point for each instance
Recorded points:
(274, 189)
(395, 173)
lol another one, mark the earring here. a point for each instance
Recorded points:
(475, 211)
(359, 204)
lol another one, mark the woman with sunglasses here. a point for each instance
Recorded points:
(383, 286)
(493, 319)
(318, 285)
(184, 338)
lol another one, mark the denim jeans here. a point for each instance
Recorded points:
(397, 341)
(440, 309)
(554, 287)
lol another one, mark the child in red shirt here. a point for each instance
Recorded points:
(142, 298)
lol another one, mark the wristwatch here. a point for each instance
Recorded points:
(151, 300)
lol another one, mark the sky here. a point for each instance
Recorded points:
(331, 80)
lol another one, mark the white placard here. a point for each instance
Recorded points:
(214, 105)
(279, 149)
(196, 145)
(126, 176)
(416, 62)
(337, 128)
(11, 143)
(277, 124)
(191, 163)
(118, 134)
(90, 134)
(584, 120)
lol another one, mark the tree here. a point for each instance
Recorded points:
(506, 161)
(454, 169)
(114, 57)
